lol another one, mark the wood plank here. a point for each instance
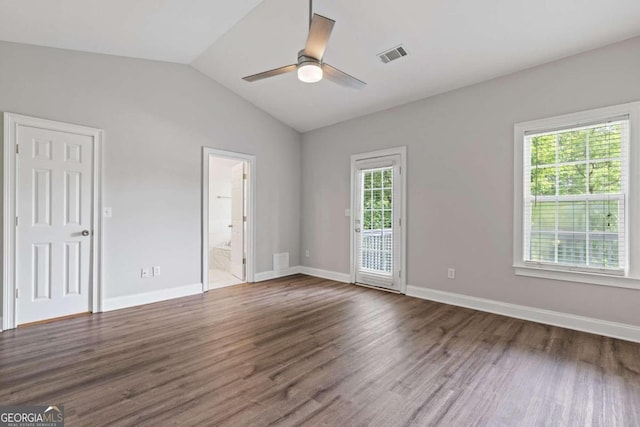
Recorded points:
(306, 351)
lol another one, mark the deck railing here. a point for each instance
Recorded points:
(377, 250)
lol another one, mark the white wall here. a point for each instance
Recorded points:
(460, 180)
(157, 117)
(1, 207)
(220, 208)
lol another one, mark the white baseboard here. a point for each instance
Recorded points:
(110, 304)
(275, 274)
(326, 274)
(309, 271)
(579, 323)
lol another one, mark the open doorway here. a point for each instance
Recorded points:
(227, 219)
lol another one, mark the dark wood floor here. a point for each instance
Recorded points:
(307, 351)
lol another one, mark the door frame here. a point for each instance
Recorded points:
(11, 121)
(251, 212)
(402, 152)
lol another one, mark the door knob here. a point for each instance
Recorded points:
(85, 232)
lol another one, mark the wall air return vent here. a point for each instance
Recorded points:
(392, 54)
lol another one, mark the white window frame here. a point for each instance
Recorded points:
(631, 276)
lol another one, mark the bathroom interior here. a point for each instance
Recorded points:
(227, 206)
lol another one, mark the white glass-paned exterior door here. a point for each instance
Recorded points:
(377, 222)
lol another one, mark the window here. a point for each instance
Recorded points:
(574, 196)
(574, 193)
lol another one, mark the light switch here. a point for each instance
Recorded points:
(347, 212)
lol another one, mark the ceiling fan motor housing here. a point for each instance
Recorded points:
(304, 59)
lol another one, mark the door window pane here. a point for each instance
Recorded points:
(377, 231)
(386, 199)
(366, 180)
(377, 179)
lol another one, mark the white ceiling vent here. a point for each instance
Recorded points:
(393, 54)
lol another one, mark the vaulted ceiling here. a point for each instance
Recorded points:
(164, 30)
(450, 43)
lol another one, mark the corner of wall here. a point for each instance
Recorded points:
(1, 216)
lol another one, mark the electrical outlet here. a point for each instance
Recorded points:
(451, 273)
(156, 270)
(306, 253)
(144, 272)
(108, 212)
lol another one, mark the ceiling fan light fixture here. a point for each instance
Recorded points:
(309, 72)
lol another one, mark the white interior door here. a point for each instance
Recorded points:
(237, 221)
(377, 221)
(54, 172)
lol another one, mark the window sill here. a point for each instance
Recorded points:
(578, 276)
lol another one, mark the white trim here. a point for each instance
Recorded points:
(402, 152)
(579, 323)
(251, 214)
(309, 271)
(98, 224)
(126, 301)
(632, 231)
(11, 122)
(8, 197)
(276, 274)
(326, 274)
(578, 276)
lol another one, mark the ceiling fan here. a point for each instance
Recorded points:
(310, 66)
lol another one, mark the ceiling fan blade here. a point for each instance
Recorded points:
(342, 78)
(271, 73)
(318, 38)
